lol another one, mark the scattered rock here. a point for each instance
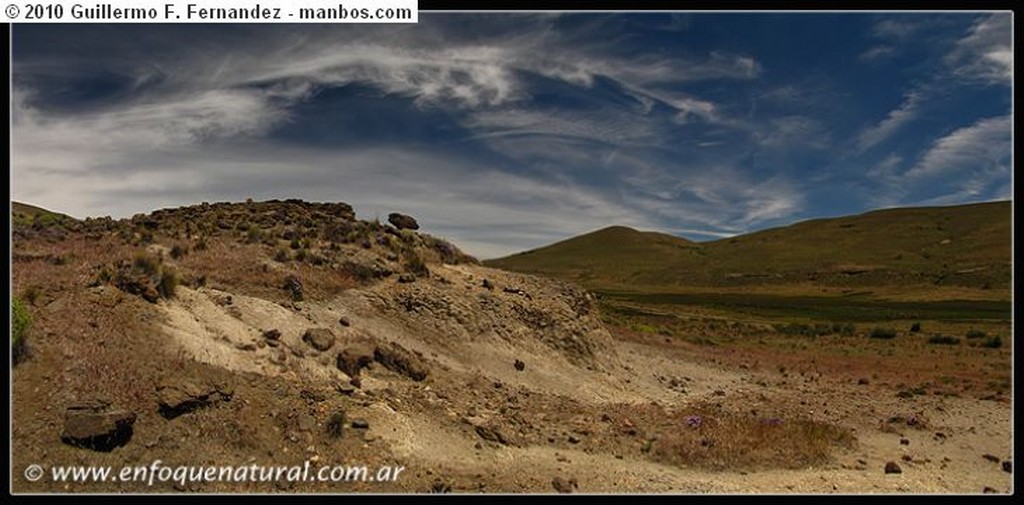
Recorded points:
(93, 425)
(573, 439)
(360, 424)
(904, 441)
(863, 382)
(990, 457)
(399, 360)
(272, 334)
(907, 457)
(989, 490)
(564, 486)
(520, 366)
(406, 278)
(1008, 466)
(488, 284)
(354, 358)
(402, 221)
(320, 339)
(892, 467)
(179, 396)
(344, 321)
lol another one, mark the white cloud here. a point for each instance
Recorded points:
(897, 118)
(984, 145)
(986, 52)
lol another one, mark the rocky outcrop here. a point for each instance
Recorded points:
(179, 396)
(403, 222)
(320, 339)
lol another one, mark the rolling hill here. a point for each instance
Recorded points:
(964, 245)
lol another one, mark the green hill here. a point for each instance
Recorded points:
(27, 214)
(964, 245)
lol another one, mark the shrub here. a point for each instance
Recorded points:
(415, 264)
(993, 343)
(972, 334)
(21, 320)
(177, 251)
(168, 283)
(883, 333)
(916, 327)
(281, 255)
(943, 340)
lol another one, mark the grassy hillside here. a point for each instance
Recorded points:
(965, 245)
(24, 213)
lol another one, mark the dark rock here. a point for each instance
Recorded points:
(990, 457)
(564, 486)
(320, 339)
(402, 221)
(488, 284)
(892, 467)
(354, 358)
(178, 396)
(406, 278)
(1008, 466)
(399, 360)
(520, 366)
(344, 321)
(272, 334)
(492, 433)
(863, 382)
(360, 424)
(904, 441)
(989, 490)
(93, 425)
(573, 439)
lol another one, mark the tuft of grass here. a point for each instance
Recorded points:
(883, 333)
(168, 282)
(973, 334)
(713, 438)
(21, 320)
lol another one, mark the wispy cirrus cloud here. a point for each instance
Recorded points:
(985, 53)
(898, 118)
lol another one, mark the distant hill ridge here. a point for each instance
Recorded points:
(968, 245)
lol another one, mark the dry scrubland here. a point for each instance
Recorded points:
(280, 332)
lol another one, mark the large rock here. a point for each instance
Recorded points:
(320, 339)
(403, 222)
(179, 395)
(93, 425)
(399, 360)
(354, 358)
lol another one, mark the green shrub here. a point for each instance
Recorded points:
(21, 320)
(883, 333)
(993, 343)
(972, 334)
(168, 283)
(943, 340)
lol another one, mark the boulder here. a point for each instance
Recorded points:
(320, 339)
(403, 222)
(94, 425)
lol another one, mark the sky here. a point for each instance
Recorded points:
(504, 132)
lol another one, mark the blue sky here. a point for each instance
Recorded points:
(504, 132)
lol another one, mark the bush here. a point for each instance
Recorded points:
(916, 327)
(943, 340)
(168, 283)
(883, 333)
(972, 334)
(993, 343)
(21, 320)
(415, 264)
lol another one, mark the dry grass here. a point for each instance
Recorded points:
(710, 436)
